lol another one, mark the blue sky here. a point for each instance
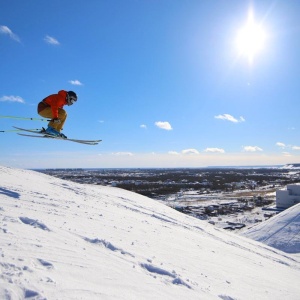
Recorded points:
(163, 83)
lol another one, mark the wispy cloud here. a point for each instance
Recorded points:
(122, 154)
(214, 150)
(281, 145)
(5, 30)
(75, 82)
(51, 40)
(163, 125)
(230, 118)
(12, 99)
(173, 153)
(284, 146)
(296, 147)
(252, 148)
(190, 151)
(143, 126)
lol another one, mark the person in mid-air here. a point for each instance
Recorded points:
(52, 107)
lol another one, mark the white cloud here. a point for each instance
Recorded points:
(296, 147)
(75, 82)
(12, 99)
(6, 30)
(190, 151)
(284, 146)
(51, 40)
(252, 149)
(173, 153)
(281, 145)
(122, 154)
(214, 150)
(143, 126)
(230, 118)
(164, 125)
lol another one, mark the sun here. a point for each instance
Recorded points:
(251, 38)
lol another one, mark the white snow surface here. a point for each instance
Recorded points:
(64, 240)
(281, 231)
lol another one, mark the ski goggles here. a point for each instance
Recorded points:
(71, 100)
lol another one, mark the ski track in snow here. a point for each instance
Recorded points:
(280, 229)
(9, 193)
(34, 223)
(149, 267)
(107, 245)
(159, 271)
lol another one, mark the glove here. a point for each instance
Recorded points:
(56, 121)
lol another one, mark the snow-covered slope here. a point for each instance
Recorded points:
(63, 240)
(281, 231)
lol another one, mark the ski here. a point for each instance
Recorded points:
(45, 135)
(58, 138)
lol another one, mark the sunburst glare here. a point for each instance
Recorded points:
(251, 38)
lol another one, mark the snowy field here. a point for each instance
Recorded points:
(63, 240)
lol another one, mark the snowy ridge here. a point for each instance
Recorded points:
(281, 231)
(63, 240)
(291, 167)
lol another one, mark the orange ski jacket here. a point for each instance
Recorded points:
(56, 101)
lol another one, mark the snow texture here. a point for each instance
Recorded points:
(281, 231)
(64, 240)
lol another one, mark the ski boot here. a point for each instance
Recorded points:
(51, 131)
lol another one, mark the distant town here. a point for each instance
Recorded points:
(205, 193)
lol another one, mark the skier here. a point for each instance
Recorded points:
(52, 107)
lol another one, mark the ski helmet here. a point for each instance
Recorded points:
(71, 97)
